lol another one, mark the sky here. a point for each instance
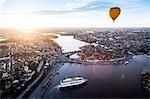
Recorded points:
(73, 13)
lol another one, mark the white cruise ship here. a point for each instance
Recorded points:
(68, 82)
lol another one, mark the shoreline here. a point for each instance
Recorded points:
(101, 62)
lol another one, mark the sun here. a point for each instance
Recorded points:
(24, 21)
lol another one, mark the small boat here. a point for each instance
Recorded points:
(68, 82)
(57, 72)
(126, 62)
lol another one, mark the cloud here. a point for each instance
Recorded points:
(78, 3)
(85, 5)
(71, 7)
(101, 4)
(90, 5)
(1, 3)
(74, 6)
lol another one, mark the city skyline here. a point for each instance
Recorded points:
(72, 13)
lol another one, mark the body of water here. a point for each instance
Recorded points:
(104, 81)
(68, 43)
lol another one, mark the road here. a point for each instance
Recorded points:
(41, 88)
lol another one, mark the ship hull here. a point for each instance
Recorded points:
(72, 84)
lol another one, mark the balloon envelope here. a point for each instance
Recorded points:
(114, 12)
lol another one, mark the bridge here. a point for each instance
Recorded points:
(70, 53)
(5, 59)
(69, 60)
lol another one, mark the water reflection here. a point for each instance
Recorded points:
(68, 43)
(105, 81)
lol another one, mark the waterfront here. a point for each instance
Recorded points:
(103, 81)
(109, 81)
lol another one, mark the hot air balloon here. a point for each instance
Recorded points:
(114, 12)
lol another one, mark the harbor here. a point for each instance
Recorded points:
(122, 80)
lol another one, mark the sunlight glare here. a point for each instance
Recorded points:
(24, 21)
